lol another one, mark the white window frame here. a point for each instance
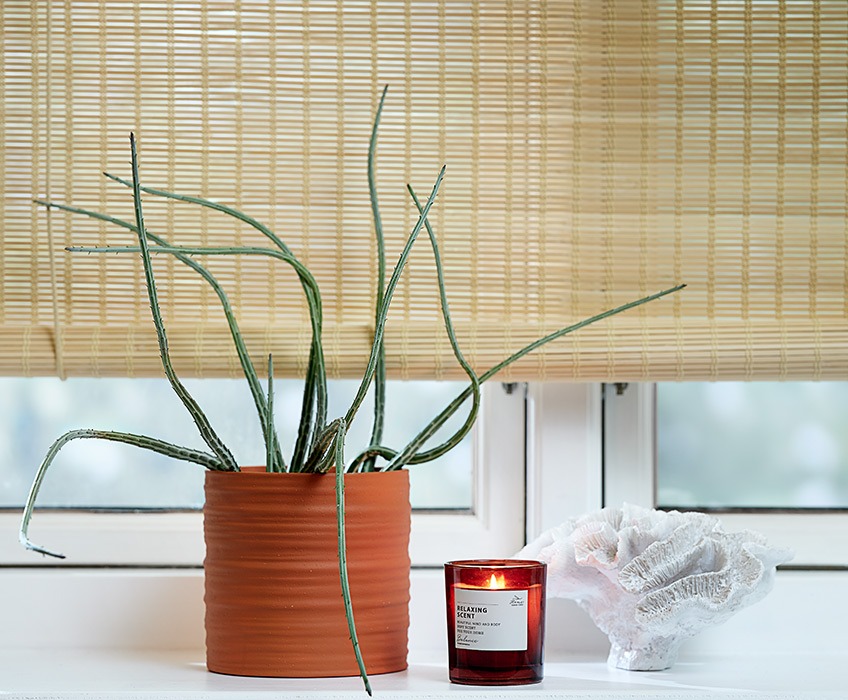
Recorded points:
(562, 470)
(493, 527)
(162, 608)
(553, 448)
(564, 456)
(819, 540)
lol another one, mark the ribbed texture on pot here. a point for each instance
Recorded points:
(273, 597)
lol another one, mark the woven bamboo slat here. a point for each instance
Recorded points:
(596, 152)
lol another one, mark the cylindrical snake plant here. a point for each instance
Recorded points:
(320, 442)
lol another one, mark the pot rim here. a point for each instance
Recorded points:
(258, 470)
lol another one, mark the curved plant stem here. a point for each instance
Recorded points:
(380, 370)
(313, 293)
(491, 372)
(387, 300)
(315, 392)
(315, 373)
(418, 441)
(270, 463)
(316, 370)
(453, 406)
(241, 350)
(343, 575)
(310, 418)
(168, 449)
(209, 204)
(400, 459)
(210, 437)
(386, 453)
(323, 453)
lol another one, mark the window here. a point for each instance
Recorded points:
(481, 509)
(102, 474)
(765, 456)
(752, 445)
(452, 496)
(155, 609)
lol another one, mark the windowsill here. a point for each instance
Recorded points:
(90, 634)
(96, 674)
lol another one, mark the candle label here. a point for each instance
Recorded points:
(490, 620)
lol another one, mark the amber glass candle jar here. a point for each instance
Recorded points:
(496, 621)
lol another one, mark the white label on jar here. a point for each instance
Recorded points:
(490, 620)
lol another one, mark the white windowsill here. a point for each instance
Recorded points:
(139, 635)
(182, 674)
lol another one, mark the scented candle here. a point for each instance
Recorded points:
(496, 621)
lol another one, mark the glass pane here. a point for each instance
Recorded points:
(752, 444)
(101, 474)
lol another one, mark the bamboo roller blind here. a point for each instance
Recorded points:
(597, 151)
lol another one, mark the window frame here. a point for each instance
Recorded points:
(494, 526)
(134, 607)
(564, 453)
(558, 457)
(630, 476)
(577, 448)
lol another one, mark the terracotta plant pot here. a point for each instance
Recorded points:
(273, 598)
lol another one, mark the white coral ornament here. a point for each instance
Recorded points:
(649, 579)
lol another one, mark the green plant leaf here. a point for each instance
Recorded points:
(452, 407)
(323, 454)
(343, 575)
(315, 396)
(241, 350)
(400, 458)
(419, 440)
(380, 369)
(387, 300)
(210, 437)
(313, 297)
(270, 460)
(168, 449)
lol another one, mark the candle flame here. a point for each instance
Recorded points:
(497, 581)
